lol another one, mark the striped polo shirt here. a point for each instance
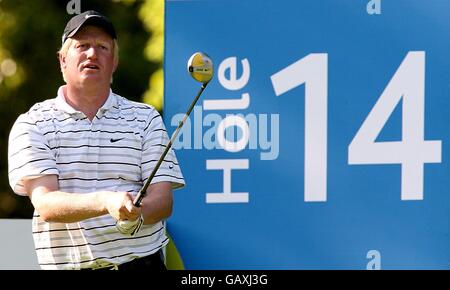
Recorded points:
(116, 151)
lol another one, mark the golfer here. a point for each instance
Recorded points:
(81, 158)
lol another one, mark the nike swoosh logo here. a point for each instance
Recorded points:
(115, 140)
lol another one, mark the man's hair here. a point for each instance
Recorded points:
(62, 52)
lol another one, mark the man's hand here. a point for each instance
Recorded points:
(129, 217)
(130, 227)
(120, 206)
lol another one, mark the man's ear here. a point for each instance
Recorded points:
(116, 63)
(62, 62)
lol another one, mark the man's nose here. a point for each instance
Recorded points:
(92, 52)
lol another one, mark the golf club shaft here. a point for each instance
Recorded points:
(137, 201)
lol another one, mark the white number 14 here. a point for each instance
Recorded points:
(407, 84)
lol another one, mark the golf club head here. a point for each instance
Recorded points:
(200, 67)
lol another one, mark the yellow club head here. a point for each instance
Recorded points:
(200, 67)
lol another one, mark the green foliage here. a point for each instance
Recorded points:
(173, 257)
(30, 36)
(152, 15)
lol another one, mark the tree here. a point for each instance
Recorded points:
(30, 35)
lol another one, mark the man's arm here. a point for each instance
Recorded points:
(157, 204)
(57, 206)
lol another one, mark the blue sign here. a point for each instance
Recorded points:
(322, 141)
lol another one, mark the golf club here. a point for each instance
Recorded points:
(201, 68)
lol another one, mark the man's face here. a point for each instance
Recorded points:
(90, 58)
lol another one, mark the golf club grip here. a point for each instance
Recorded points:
(143, 191)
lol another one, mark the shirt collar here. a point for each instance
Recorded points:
(61, 103)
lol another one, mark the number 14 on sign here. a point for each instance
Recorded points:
(412, 152)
